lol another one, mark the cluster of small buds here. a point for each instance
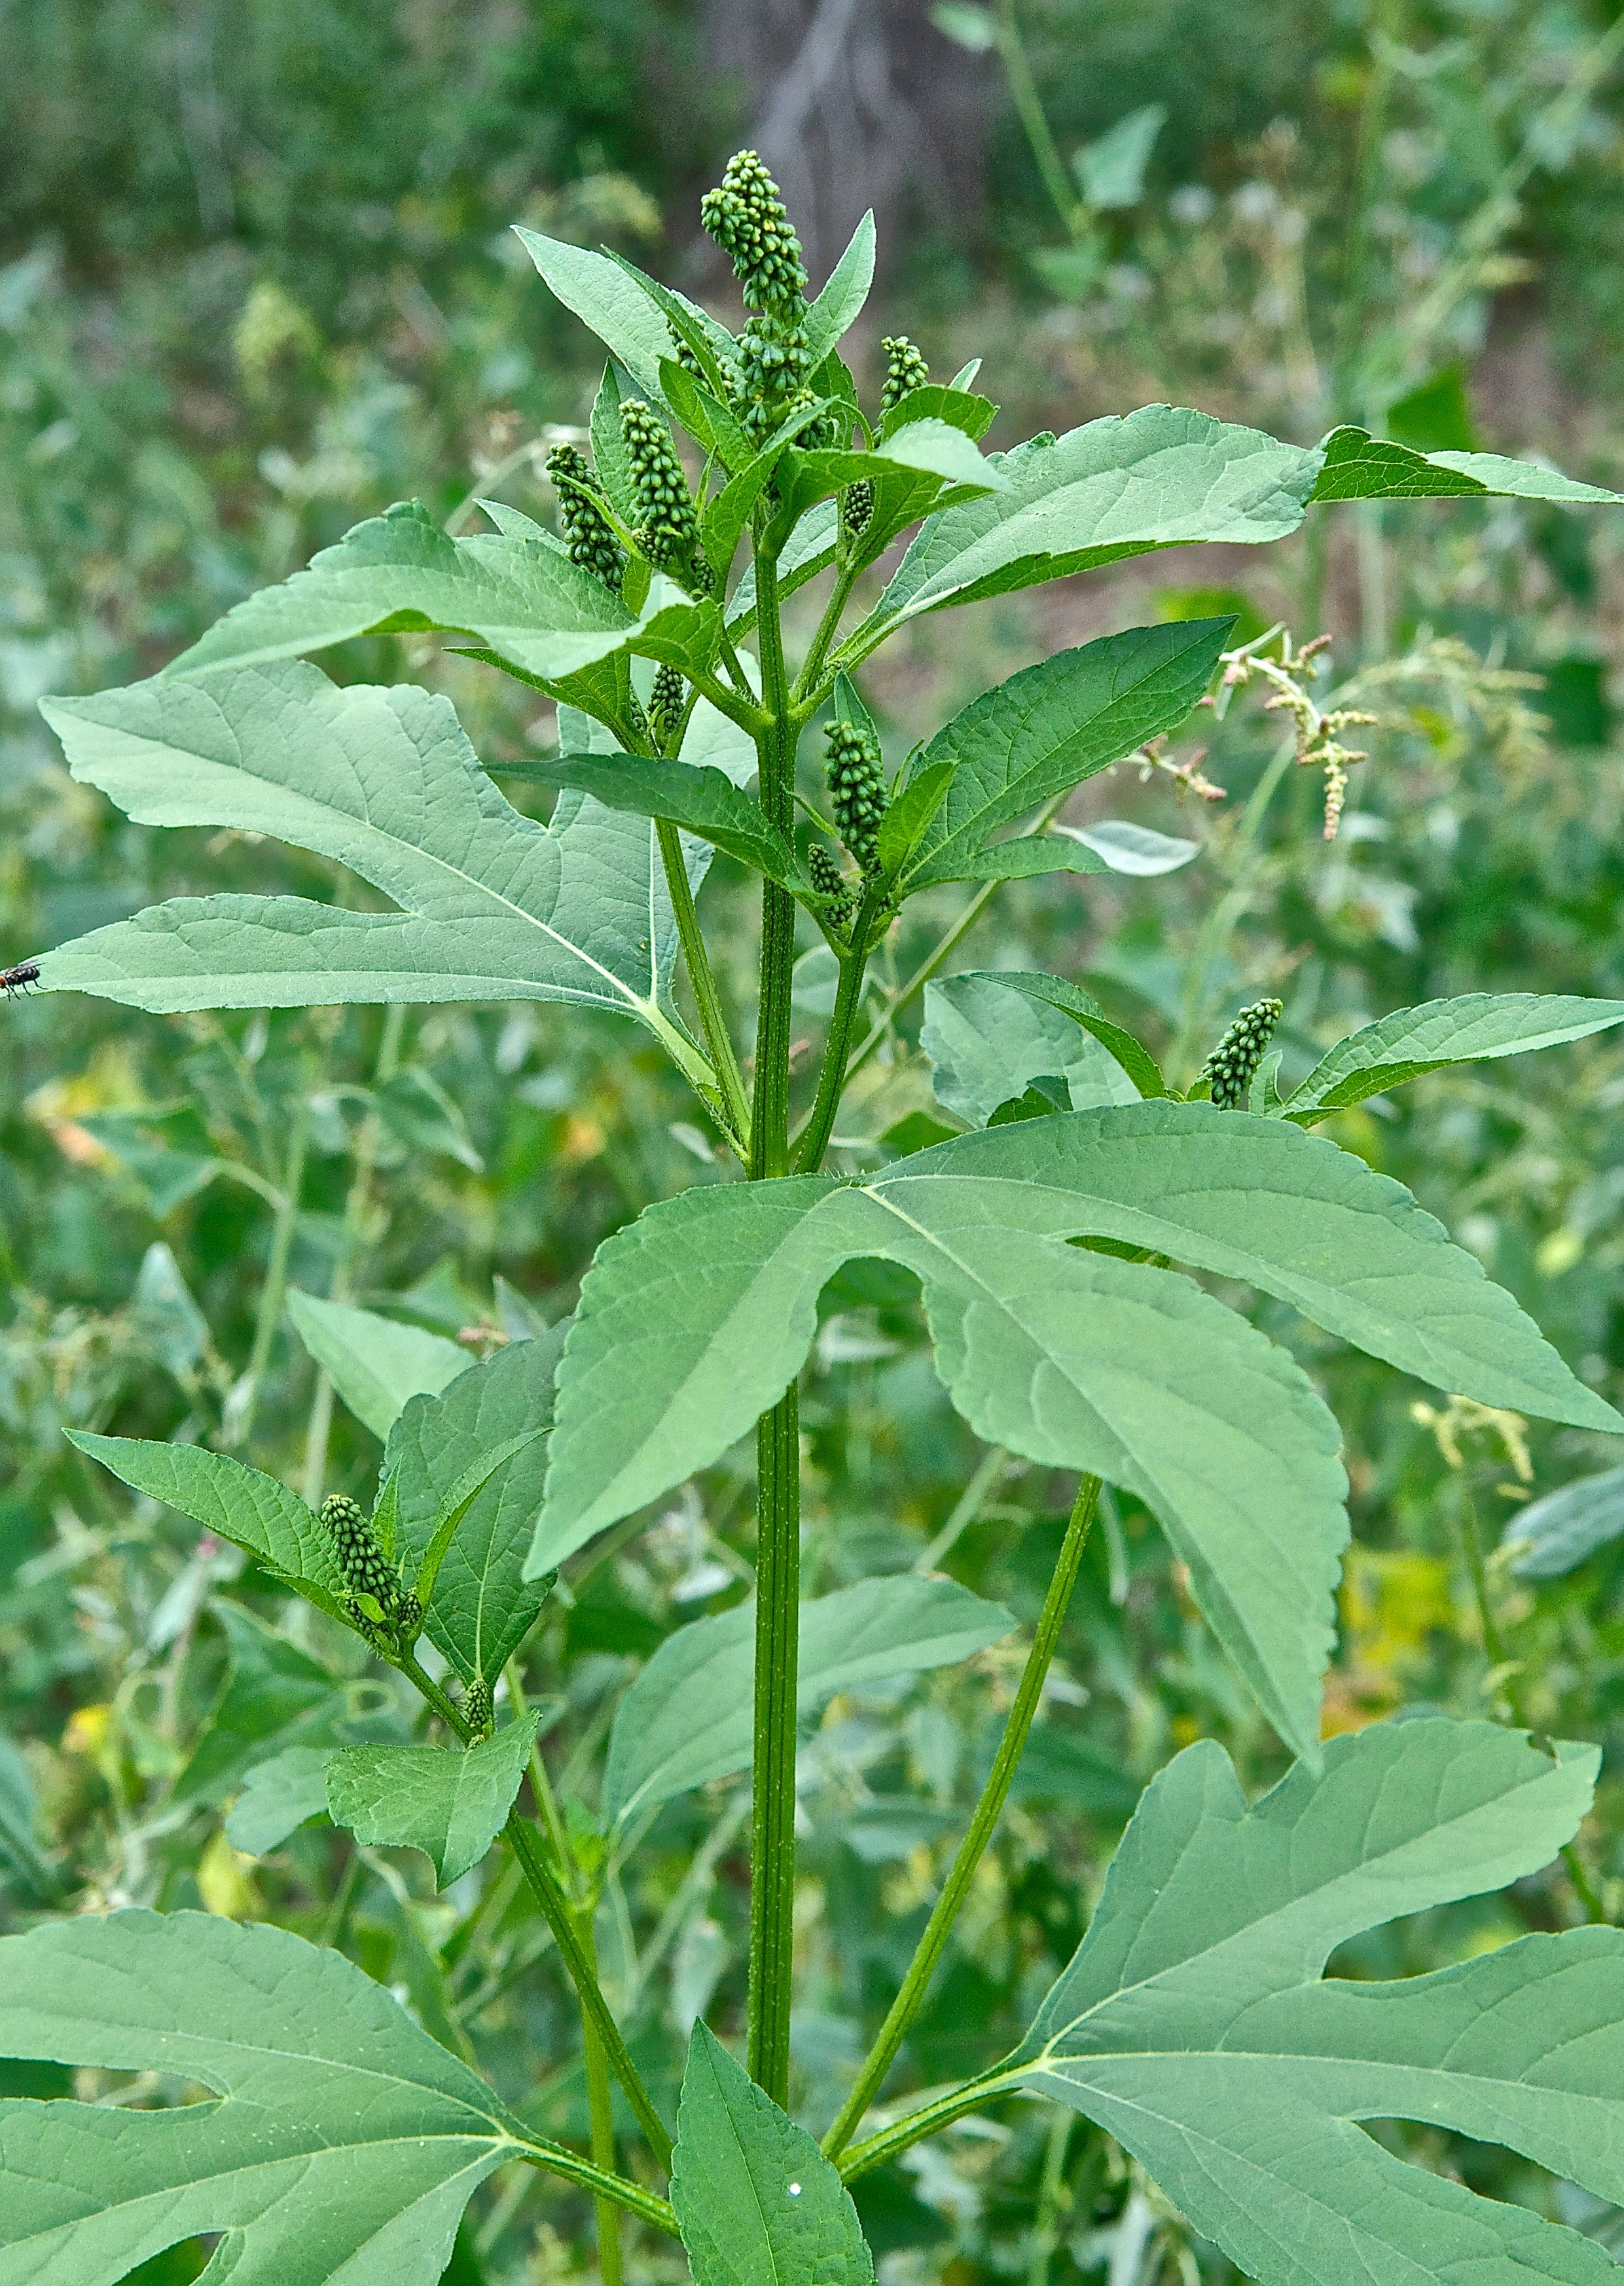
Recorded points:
(366, 1573)
(587, 532)
(1318, 734)
(745, 215)
(476, 1708)
(1230, 1068)
(636, 721)
(668, 534)
(906, 370)
(857, 507)
(830, 882)
(667, 702)
(857, 789)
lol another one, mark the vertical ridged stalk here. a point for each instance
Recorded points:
(772, 1851)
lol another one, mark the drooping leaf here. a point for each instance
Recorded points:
(702, 801)
(516, 592)
(988, 1042)
(493, 905)
(1552, 1536)
(1050, 727)
(757, 2203)
(1159, 477)
(278, 1795)
(1358, 466)
(973, 414)
(1411, 1041)
(238, 1503)
(924, 466)
(451, 1802)
(845, 291)
(687, 1717)
(1134, 849)
(481, 1608)
(375, 1363)
(1192, 2023)
(346, 2143)
(695, 1318)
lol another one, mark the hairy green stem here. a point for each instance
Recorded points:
(930, 2118)
(712, 1022)
(988, 1811)
(772, 1856)
(819, 1123)
(600, 2107)
(557, 1905)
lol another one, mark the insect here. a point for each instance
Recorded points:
(15, 979)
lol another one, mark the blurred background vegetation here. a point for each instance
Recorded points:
(255, 283)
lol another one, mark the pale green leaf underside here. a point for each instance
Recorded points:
(514, 592)
(988, 1042)
(1476, 1026)
(757, 2203)
(1191, 2023)
(375, 1363)
(687, 1717)
(493, 905)
(229, 1499)
(695, 1318)
(347, 2144)
(1358, 466)
(1048, 728)
(448, 1802)
(1551, 1536)
(482, 1607)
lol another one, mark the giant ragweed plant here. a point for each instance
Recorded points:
(1053, 1240)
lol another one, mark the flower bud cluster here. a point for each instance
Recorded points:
(587, 532)
(857, 507)
(905, 371)
(745, 215)
(366, 1573)
(668, 533)
(666, 702)
(829, 881)
(1231, 1066)
(476, 1708)
(858, 793)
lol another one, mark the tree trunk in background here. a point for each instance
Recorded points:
(856, 104)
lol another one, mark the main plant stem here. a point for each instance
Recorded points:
(988, 1811)
(772, 1838)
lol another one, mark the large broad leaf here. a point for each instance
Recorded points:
(493, 905)
(757, 2203)
(693, 1321)
(1551, 1536)
(375, 1363)
(1050, 727)
(696, 1318)
(687, 1718)
(989, 1043)
(1411, 1041)
(236, 1503)
(345, 2145)
(449, 1802)
(514, 592)
(482, 1607)
(1194, 2026)
(1157, 478)
(1358, 466)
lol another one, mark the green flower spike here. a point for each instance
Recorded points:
(588, 533)
(857, 791)
(668, 534)
(748, 218)
(666, 702)
(906, 370)
(1232, 1062)
(367, 1573)
(476, 1708)
(829, 881)
(857, 507)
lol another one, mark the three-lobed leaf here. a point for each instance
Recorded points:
(1472, 1028)
(757, 2203)
(449, 1802)
(1192, 2023)
(687, 1718)
(346, 2142)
